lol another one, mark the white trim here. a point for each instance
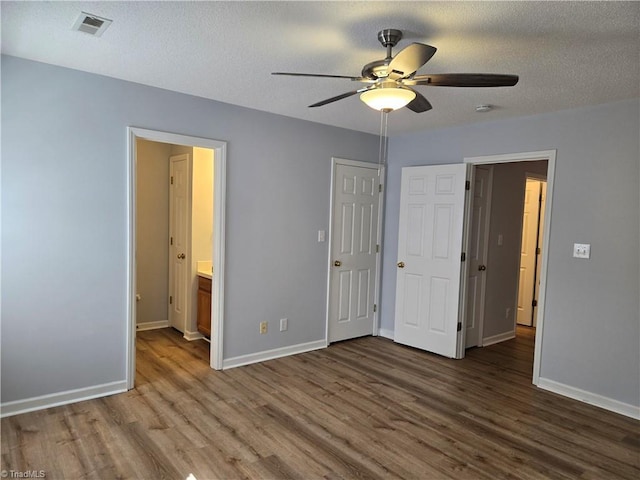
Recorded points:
(275, 353)
(513, 157)
(501, 337)
(550, 156)
(141, 327)
(607, 403)
(61, 398)
(191, 336)
(386, 333)
(219, 236)
(217, 291)
(335, 161)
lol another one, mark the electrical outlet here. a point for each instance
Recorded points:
(284, 324)
(263, 328)
(507, 313)
(581, 250)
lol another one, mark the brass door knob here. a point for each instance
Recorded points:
(182, 256)
(482, 268)
(400, 264)
(337, 263)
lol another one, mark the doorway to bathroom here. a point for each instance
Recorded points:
(176, 209)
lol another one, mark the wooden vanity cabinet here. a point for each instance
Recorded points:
(204, 306)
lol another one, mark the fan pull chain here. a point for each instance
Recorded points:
(384, 141)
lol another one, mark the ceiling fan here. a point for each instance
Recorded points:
(390, 80)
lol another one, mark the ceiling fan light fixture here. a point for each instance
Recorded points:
(387, 98)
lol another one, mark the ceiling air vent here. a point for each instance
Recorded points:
(91, 24)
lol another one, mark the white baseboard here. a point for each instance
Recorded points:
(590, 398)
(152, 325)
(271, 354)
(192, 335)
(8, 409)
(498, 338)
(383, 332)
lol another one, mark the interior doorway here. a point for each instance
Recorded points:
(215, 244)
(503, 245)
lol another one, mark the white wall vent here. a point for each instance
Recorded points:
(91, 24)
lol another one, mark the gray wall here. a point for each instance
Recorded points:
(592, 328)
(503, 261)
(64, 210)
(152, 229)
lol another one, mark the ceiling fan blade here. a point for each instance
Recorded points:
(419, 104)
(410, 59)
(464, 80)
(322, 75)
(339, 97)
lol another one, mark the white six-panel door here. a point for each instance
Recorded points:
(178, 231)
(477, 254)
(432, 202)
(353, 251)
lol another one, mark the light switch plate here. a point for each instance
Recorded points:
(581, 250)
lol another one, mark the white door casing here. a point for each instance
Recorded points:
(477, 252)
(353, 251)
(528, 256)
(218, 242)
(428, 287)
(550, 157)
(179, 227)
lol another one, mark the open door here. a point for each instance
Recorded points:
(179, 226)
(428, 286)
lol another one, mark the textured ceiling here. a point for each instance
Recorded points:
(567, 54)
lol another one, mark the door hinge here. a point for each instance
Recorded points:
(467, 185)
(463, 257)
(459, 326)
(171, 179)
(170, 300)
(538, 251)
(534, 303)
(171, 241)
(380, 187)
(377, 248)
(375, 308)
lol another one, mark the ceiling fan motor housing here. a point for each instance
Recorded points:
(389, 37)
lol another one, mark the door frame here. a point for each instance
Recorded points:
(335, 161)
(550, 157)
(218, 244)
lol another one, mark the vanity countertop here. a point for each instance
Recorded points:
(205, 269)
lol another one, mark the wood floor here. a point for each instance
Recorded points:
(361, 409)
